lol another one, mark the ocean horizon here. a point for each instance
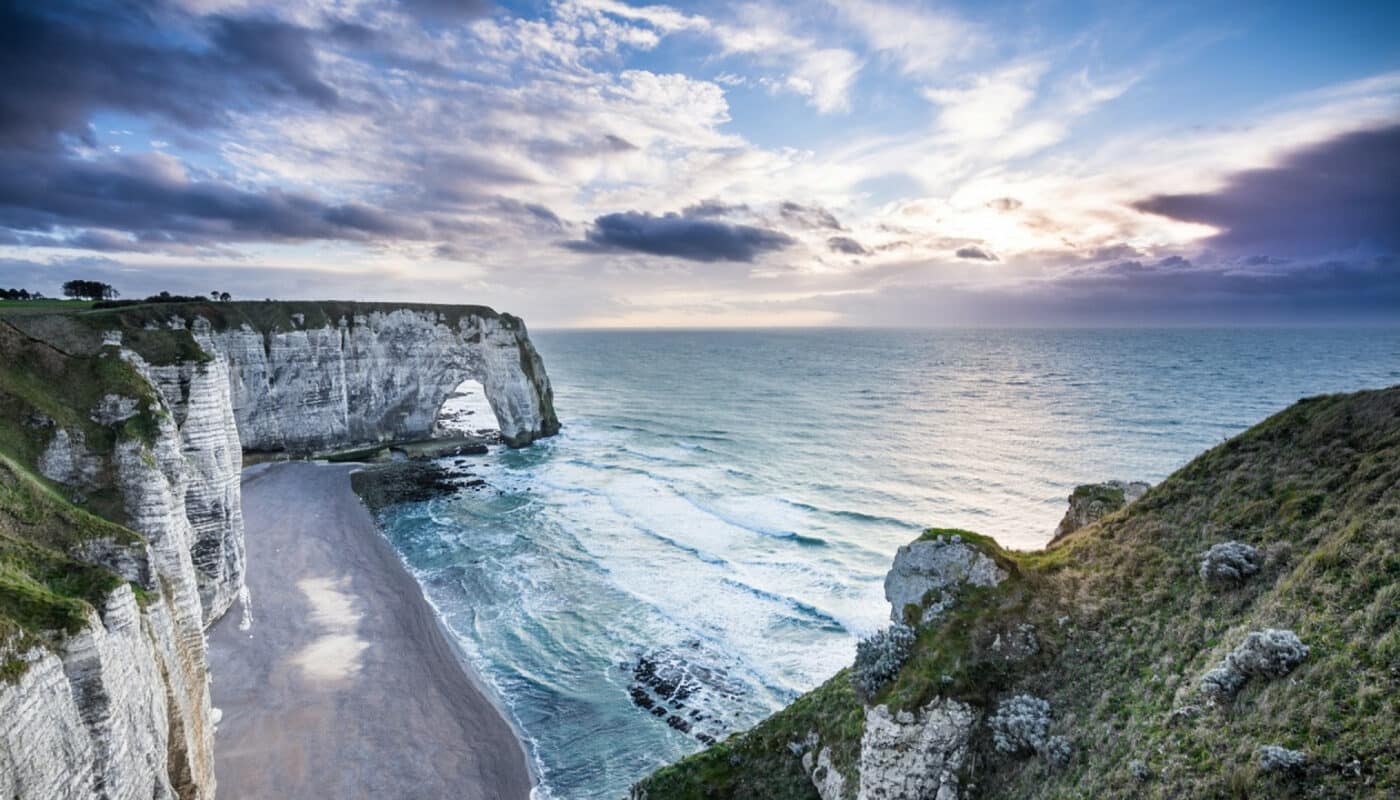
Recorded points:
(721, 506)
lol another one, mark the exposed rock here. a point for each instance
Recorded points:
(927, 574)
(915, 756)
(829, 782)
(1273, 758)
(678, 685)
(1094, 501)
(113, 408)
(1229, 563)
(378, 375)
(1270, 653)
(68, 461)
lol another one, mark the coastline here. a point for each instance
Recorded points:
(346, 683)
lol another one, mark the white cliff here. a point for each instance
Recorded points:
(377, 375)
(120, 709)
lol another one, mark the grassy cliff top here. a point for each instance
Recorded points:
(46, 594)
(78, 327)
(1126, 627)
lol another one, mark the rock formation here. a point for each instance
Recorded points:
(927, 573)
(143, 418)
(1094, 501)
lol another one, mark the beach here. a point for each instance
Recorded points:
(339, 681)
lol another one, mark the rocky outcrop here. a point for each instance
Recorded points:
(908, 756)
(377, 375)
(927, 573)
(1094, 501)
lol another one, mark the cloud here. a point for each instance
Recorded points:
(813, 217)
(1334, 196)
(692, 238)
(975, 253)
(847, 245)
(447, 10)
(919, 41)
(65, 59)
(150, 197)
(987, 107)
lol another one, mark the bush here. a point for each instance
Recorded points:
(1270, 653)
(1229, 563)
(1273, 758)
(878, 659)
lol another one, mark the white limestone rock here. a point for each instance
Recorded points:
(828, 781)
(927, 573)
(908, 756)
(381, 375)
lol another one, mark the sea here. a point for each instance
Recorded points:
(707, 537)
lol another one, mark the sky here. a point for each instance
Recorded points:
(599, 163)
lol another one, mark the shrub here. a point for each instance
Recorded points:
(878, 659)
(1270, 653)
(1229, 563)
(1022, 725)
(1273, 758)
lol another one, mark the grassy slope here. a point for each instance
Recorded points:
(44, 590)
(1126, 628)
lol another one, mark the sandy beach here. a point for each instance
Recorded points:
(344, 685)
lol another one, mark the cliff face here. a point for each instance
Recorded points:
(140, 416)
(375, 375)
(1231, 632)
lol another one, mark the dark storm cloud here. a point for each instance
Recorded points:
(714, 208)
(847, 245)
(447, 10)
(144, 196)
(809, 216)
(1135, 292)
(975, 253)
(689, 237)
(64, 60)
(1334, 196)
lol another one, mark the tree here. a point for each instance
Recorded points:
(89, 290)
(224, 297)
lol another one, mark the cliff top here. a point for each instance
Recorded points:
(1127, 615)
(77, 327)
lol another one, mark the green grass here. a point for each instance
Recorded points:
(45, 594)
(45, 305)
(1125, 629)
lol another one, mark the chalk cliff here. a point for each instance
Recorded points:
(121, 533)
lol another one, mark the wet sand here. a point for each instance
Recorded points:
(344, 685)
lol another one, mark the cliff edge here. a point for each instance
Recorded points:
(1233, 632)
(121, 535)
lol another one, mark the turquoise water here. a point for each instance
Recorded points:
(721, 507)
